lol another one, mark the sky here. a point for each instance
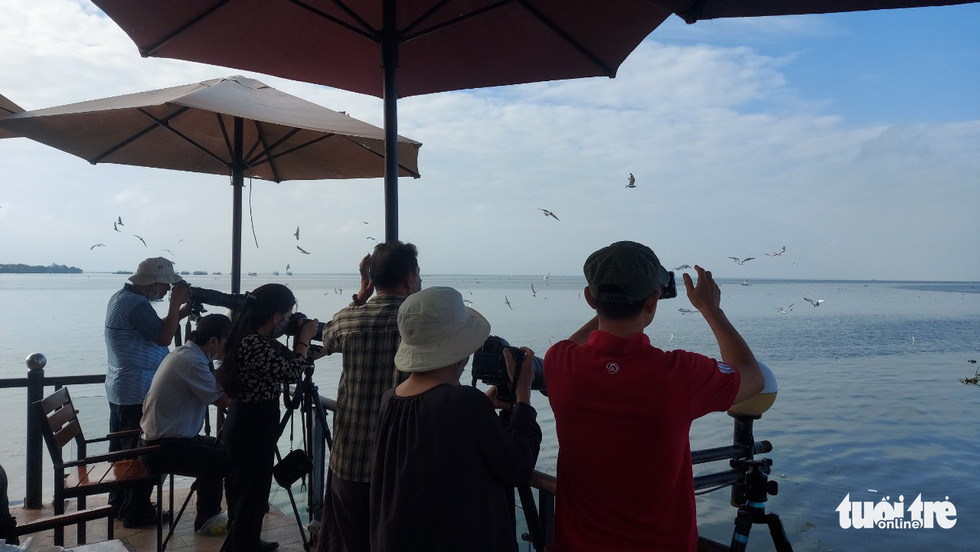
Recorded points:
(852, 140)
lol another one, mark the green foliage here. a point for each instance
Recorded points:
(38, 269)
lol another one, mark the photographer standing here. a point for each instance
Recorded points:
(254, 370)
(444, 466)
(136, 339)
(366, 333)
(623, 408)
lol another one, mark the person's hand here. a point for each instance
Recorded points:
(307, 329)
(180, 294)
(522, 386)
(367, 286)
(497, 403)
(706, 295)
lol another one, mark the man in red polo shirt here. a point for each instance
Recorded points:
(624, 408)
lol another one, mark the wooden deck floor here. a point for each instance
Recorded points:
(277, 526)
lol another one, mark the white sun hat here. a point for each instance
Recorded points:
(437, 329)
(155, 270)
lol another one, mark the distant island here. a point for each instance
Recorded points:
(38, 269)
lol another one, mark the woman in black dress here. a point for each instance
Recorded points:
(255, 368)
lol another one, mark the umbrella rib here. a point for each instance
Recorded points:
(188, 139)
(411, 36)
(610, 72)
(367, 31)
(156, 122)
(152, 49)
(261, 139)
(269, 157)
(400, 166)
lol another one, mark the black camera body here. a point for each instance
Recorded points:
(204, 296)
(490, 367)
(292, 329)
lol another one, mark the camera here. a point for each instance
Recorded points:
(203, 296)
(490, 367)
(669, 290)
(292, 329)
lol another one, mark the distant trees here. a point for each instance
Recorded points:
(36, 269)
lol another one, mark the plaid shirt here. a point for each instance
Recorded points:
(368, 338)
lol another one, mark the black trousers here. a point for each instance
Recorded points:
(201, 457)
(250, 434)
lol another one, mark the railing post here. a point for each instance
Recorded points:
(318, 477)
(35, 392)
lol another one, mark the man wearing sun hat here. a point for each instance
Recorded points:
(623, 408)
(136, 339)
(445, 466)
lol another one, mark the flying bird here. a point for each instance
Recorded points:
(297, 233)
(812, 302)
(546, 276)
(96, 245)
(364, 222)
(142, 240)
(287, 266)
(115, 226)
(687, 311)
(506, 300)
(169, 251)
(370, 238)
(741, 261)
(783, 310)
(548, 213)
(632, 182)
(303, 251)
(682, 267)
(534, 292)
(120, 221)
(777, 253)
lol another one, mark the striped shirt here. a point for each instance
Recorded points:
(131, 330)
(368, 338)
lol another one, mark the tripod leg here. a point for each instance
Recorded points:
(743, 523)
(531, 516)
(779, 538)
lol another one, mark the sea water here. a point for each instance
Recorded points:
(870, 407)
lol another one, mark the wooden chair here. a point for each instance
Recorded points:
(88, 475)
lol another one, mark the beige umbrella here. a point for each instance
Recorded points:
(8, 107)
(236, 126)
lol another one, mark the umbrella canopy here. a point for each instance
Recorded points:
(233, 126)
(8, 107)
(432, 45)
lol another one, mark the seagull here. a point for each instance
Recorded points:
(812, 302)
(364, 222)
(169, 251)
(777, 253)
(548, 213)
(534, 292)
(96, 245)
(785, 310)
(741, 261)
(972, 361)
(506, 300)
(142, 240)
(120, 221)
(303, 251)
(913, 341)
(671, 338)
(297, 233)
(370, 238)
(746, 283)
(632, 182)
(467, 303)
(546, 276)
(115, 226)
(687, 311)
(287, 266)
(682, 267)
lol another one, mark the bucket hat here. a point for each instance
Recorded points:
(437, 329)
(155, 270)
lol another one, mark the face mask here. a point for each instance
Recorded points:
(154, 296)
(280, 328)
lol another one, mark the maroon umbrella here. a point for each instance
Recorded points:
(433, 45)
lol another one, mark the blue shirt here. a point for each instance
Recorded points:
(131, 330)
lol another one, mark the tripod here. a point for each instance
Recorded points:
(752, 490)
(306, 399)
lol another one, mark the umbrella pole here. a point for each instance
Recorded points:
(389, 49)
(237, 183)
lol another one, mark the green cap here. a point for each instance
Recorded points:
(624, 272)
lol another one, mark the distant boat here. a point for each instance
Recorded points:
(184, 273)
(200, 273)
(253, 273)
(216, 273)
(123, 272)
(289, 273)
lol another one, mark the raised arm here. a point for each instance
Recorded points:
(706, 297)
